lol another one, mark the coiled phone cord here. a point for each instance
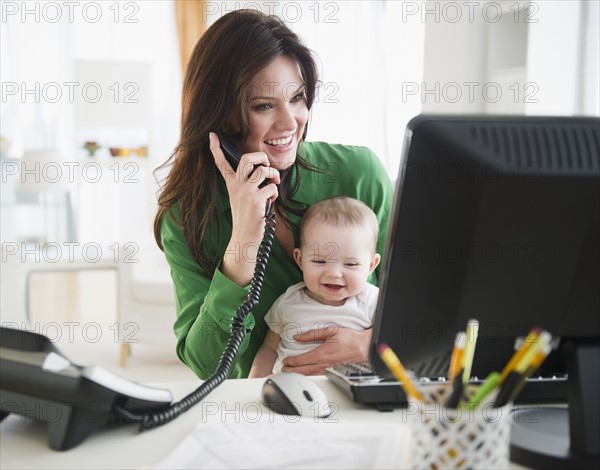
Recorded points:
(238, 333)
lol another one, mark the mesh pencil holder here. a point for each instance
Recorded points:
(460, 438)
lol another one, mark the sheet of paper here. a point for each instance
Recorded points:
(291, 443)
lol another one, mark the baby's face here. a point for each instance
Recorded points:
(335, 261)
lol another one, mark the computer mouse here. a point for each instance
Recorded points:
(290, 393)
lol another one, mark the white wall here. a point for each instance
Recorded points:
(554, 59)
(590, 96)
(540, 60)
(454, 59)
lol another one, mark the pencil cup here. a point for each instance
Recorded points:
(460, 438)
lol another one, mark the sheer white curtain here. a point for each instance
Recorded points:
(365, 58)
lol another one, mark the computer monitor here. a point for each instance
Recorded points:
(497, 218)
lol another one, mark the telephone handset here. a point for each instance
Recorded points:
(233, 154)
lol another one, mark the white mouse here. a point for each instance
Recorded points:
(290, 393)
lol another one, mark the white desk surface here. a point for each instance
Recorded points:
(24, 443)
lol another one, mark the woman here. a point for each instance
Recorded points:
(251, 78)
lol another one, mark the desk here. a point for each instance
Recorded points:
(24, 443)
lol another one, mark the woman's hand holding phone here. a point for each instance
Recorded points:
(247, 203)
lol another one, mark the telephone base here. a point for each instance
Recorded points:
(68, 424)
(40, 383)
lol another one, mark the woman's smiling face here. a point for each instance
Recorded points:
(278, 112)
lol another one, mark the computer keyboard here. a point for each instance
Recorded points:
(363, 385)
(358, 369)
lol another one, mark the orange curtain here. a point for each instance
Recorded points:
(190, 17)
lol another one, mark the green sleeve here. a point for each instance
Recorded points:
(205, 305)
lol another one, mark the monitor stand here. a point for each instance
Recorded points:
(540, 439)
(563, 436)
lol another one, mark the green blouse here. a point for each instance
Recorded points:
(206, 304)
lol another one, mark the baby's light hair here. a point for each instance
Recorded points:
(342, 211)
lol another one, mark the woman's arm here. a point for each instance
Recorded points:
(205, 306)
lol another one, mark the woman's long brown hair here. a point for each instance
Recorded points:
(215, 98)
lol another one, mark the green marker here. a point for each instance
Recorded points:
(491, 382)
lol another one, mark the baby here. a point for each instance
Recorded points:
(338, 239)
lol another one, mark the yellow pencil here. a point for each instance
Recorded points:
(457, 353)
(531, 339)
(516, 378)
(396, 368)
(530, 355)
(538, 359)
(535, 364)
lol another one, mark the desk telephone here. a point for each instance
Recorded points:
(36, 376)
(39, 382)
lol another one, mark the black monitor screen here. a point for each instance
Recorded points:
(495, 218)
